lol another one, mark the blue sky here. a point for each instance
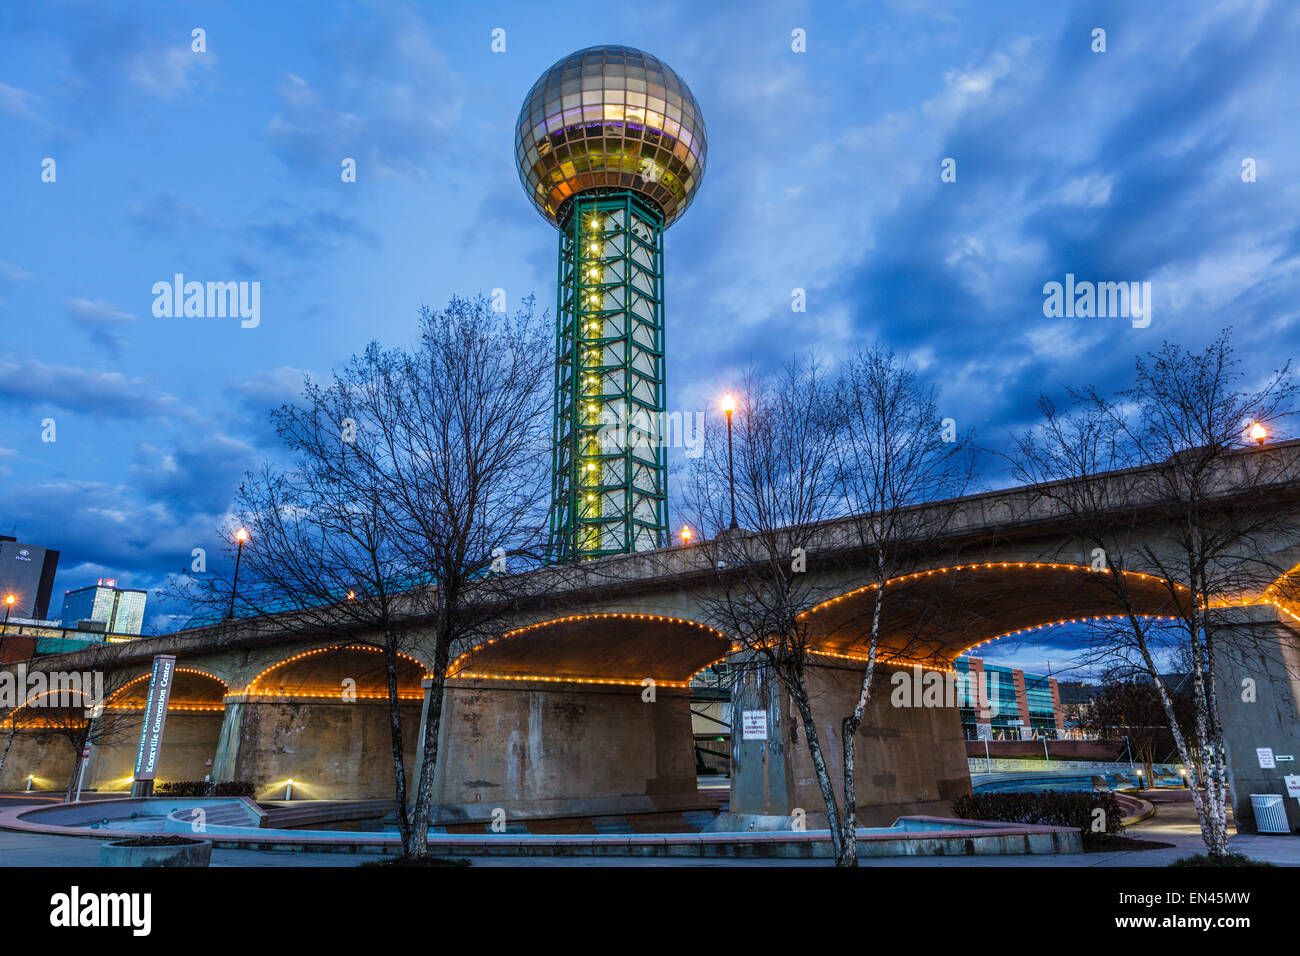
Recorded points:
(824, 174)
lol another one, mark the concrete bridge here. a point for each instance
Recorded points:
(548, 715)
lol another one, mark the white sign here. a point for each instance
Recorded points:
(1292, 785)
(1266, 761)
(1015, 723)
(754, 725)
(1284, 757)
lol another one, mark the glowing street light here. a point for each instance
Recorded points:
(729, 406)
(1258, 432)
(687, 534)
(241, 536)
(9, 603)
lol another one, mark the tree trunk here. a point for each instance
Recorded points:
(395, 728)
(79, 743)
(9, 742)
(418, 840)
(800, 694)
(848, 855)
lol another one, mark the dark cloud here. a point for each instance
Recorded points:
(195, 476)
(27, 382)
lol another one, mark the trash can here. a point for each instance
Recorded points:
(1270, 814)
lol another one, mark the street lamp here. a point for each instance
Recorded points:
(729, 406)
(241, 536)
(9, 603)
(1258, 432)
(686, 535)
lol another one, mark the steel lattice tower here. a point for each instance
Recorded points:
(611, 147)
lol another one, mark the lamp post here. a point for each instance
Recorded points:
(1258, 432)
(686, 535)
(729, 406)
(241, 536)
(9, 603)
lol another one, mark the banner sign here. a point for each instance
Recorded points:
(155, 715)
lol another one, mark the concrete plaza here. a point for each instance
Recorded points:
(1174, 822)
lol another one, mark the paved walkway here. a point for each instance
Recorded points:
(1174, 822)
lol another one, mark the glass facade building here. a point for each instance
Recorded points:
(1012, 705)
(120, 610)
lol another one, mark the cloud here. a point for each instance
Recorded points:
(18, 103)
(31, 383)
(166, 71)
(109, 529)
(11, 274)
(101, 321)
(390, 102)
(165, 213)
(256, 396)
(307, 236)
(194, 476)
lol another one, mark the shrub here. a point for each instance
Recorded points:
(1058, 808)
(206, 788)
(1232, 859)
(158, 841)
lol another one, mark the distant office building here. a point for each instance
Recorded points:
(119, 610)
(27, 572)
(1020, 706)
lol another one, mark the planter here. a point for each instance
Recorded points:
(191, 853)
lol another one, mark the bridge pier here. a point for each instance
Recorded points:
(1259, 705)
(560, 749)
(188, 743)
(334, 749)
(910, 760)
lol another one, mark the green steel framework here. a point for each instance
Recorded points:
(609, 472)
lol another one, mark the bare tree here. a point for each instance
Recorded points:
(785, 484)
(1131, 708)
(895, 452)
(466, 453)
(414, 479)
(1183, 421)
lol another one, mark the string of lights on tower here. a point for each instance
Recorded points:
(611, 148)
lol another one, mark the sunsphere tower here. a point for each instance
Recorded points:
(611, 147)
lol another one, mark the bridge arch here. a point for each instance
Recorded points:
(193, 689)
(933, 616)
(320, 674)
(42, 750)
(195, 708)
(615, 648)
(321, 718)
